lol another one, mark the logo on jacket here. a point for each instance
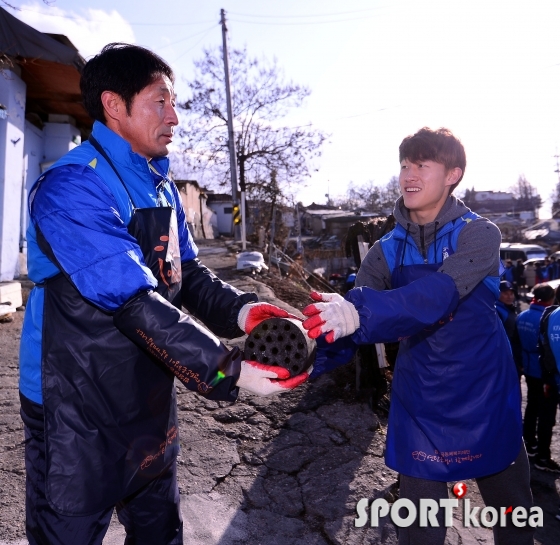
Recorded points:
(445, 252)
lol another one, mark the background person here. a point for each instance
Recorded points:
(539, 417)
(530, 275)
(519, 276)
(549, 352)
(540, 276)
(509, 272)
(104, 336)
(552, 269)
(432, 283)
(507, 311)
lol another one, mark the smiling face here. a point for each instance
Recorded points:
(425, 186)
(149, 126)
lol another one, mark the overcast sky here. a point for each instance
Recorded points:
(378, 70)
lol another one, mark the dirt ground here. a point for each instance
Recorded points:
(546, 487)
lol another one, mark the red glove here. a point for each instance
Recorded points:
(333, 315)
(252, 314)
(265, 380)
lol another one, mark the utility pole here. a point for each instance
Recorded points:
(556, 196)
(231, 139)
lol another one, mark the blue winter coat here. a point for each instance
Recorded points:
(528, 328)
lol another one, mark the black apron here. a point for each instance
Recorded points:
(110, 409)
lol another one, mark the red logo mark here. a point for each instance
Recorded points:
(460, 490)
(508, 510)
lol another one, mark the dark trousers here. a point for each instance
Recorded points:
(150, 516)
(540, 415)
(547, 420)
(534, 396)
(509, 487)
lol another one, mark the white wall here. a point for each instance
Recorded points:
(60, 138)
(224, 219)
(193, 201)
(33, 156)
(12, 95)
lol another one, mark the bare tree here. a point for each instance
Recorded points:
(555, 199)
(371, 197)
(265, 147)
(526, 196)
(390, 193)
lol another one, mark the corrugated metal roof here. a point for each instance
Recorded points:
(20, 40)
(50, 67)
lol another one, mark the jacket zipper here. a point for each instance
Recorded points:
(423, 246)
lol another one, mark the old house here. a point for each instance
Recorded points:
(200, 218)
(41, 118)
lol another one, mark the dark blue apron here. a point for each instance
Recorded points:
(110, 409)
(455, 403)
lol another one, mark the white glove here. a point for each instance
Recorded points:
(264, 380)
(333, 315)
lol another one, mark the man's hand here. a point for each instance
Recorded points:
(252, 314)
(333, 315)
(266, 380)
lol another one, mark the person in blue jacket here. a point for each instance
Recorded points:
(104, 334)
(509, 272)
(432, 284)
(549, 354)
(508, 312)
(539, 417)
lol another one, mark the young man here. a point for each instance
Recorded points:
(432, 283)
(540, 410)
(104, 334)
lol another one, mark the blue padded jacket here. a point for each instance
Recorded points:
(87, 203)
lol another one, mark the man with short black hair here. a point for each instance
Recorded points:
(432, 283)
(104, 335)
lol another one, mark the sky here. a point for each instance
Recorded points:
(378, 70)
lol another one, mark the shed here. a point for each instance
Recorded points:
(199, 216)
(41, 118)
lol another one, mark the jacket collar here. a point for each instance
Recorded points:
(120, 152)
(452, 209)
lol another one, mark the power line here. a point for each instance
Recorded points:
(81, 18)
(255, 22)
(205, 32)
(191, 48)
(302, 23)
(303, 16)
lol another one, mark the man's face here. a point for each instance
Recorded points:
(149, 127)
(507, 297)
(425, 186)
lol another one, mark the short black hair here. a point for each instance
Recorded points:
(440, 145)
(122, 68)
(543, 292)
